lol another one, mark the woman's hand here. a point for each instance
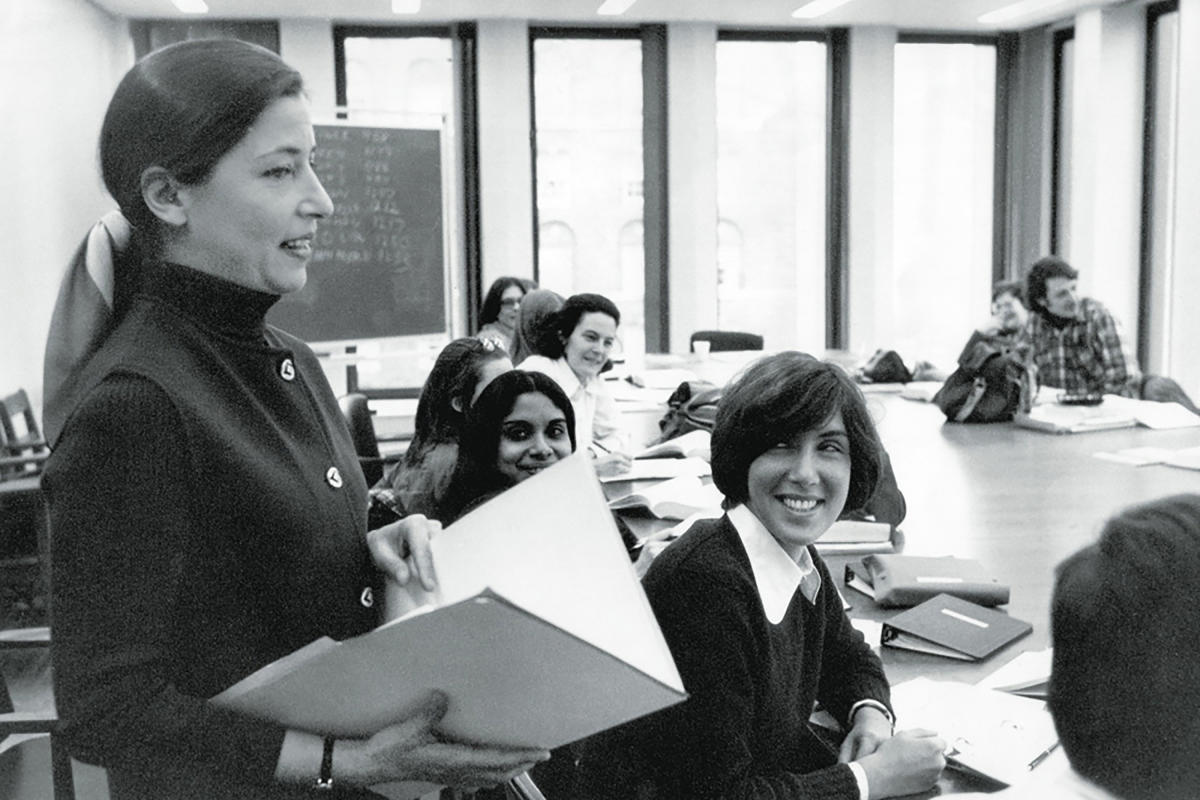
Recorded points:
(907, 763)
(412, 750)
(871, 728)
(610, 464)
(401, 549)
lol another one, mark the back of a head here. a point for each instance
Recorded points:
(1043, 270)
(537, 315)
(1125, 621)
(181, 108)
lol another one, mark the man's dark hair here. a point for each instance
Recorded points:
(1043, 270)
(1125, 619)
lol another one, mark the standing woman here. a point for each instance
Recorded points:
(574, 350)
(206, 505)
(498, 314)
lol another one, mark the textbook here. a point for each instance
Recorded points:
(677, 498)
(954, 628)
(538, 632)
(989, 733)
(856, 537)
(693, 444)
(897, 581)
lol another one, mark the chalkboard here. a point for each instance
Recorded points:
(377, 267)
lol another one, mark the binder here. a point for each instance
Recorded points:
(899, 581)
(954, 628)
(538, 632)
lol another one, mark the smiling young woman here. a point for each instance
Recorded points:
(755, 623)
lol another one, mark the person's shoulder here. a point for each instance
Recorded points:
(536, 363)
(709, 547)
(1091, 308)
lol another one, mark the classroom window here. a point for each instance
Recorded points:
(1162, 112)
(587, 99)
(944, 107)
(771, 190)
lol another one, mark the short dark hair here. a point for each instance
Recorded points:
(489, 311)
(182, 108)
(778, 397)
(475, 473)
(1123, 686)
(454, 377)
(1015, 288)
(1043, 270)
(552, 342)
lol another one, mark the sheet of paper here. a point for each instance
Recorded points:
(661, 469)
(1154, 415)
(1136, 456)
(1026, 668)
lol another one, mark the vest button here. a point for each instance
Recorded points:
(333, 477)
(367, 598)
(287, 370)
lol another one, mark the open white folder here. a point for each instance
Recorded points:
(538, 632)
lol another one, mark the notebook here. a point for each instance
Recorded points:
(897, 581)
(677, 498)
(1056, 418)
(947, 626)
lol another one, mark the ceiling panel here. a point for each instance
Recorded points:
(929, 15)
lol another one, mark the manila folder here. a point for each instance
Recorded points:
(538, 632)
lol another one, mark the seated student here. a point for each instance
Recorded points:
(537, 311)
(1009, 314)
(501, 305)
(417, 484)
(574, 350)
(520, 424)
(755, 624)
(1124, 691)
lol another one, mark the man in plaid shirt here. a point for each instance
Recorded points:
(1074, 341)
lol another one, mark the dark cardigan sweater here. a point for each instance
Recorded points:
(208, 517)
(744, 732)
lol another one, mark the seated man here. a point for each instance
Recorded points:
(1123, 686)
(1009, 314)
(1077, 345)
(1074, 341)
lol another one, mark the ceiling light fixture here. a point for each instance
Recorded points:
(816, 8)
(191, 6)
(1018, 10)
(612, 8)
(406, 6)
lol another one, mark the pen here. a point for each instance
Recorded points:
(1042, 756)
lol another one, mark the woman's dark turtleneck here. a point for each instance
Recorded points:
(216, 303)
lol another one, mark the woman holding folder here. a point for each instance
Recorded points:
(753, 619)
(207, 509)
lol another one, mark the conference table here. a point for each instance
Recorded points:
(1017, 500)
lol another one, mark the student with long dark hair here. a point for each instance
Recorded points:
(500, 309)
(418, 483)
(208, 511)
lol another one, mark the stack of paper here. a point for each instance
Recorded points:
(538, 632)
(1027, 675)
(994, 734)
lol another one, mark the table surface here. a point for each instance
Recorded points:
(1017, 500)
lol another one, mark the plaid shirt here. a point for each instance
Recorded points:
(1085, 357)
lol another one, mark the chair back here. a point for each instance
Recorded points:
(362, 432)
(22, 448)
(726, 340)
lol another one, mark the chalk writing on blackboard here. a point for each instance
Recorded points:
(378, 267)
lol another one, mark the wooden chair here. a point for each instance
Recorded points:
(726, 340)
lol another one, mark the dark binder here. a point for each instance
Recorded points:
(954, 628)
(898, 581)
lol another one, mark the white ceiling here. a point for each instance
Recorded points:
(914, 15)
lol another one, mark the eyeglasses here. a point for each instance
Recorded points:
(510, 302)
